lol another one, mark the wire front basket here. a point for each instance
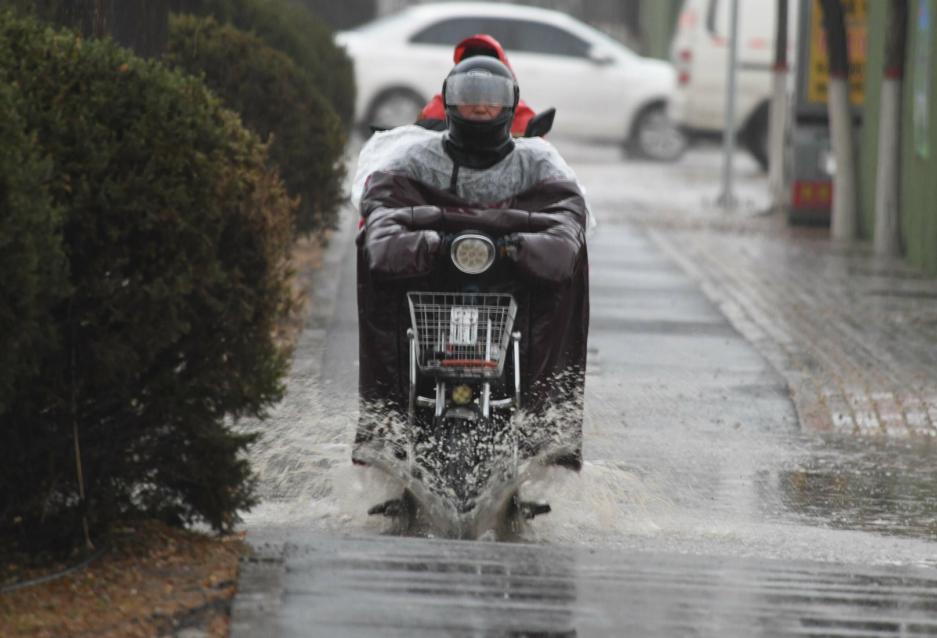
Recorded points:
(462, 334)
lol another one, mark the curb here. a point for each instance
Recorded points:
(256, 604)
(260, 588)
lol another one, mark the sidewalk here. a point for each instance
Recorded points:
(854, 335)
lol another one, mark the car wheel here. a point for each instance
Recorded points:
(656, 137)
(395, 108)
(755, 138)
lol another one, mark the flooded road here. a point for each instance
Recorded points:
(702, 507)
(416, 587)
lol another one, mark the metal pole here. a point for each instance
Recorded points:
(778, 112)
(888, 171)
(845, 220)
(727, 197)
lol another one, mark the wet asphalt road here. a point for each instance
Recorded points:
(415, 587)
(701, 510)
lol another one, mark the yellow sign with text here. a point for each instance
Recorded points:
(818, 64)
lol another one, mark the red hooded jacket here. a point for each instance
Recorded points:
(471, 45)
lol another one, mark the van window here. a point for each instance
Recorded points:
(756, 20)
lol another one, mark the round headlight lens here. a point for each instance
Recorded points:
(462, 394)
(473, 254)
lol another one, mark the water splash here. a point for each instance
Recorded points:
(600, 504)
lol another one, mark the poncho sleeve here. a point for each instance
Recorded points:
(405, 223)
(401, 235)
(552, 248)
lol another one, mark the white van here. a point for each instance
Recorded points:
(699, 52)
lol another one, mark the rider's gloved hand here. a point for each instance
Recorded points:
(445, 248)
(508, 246)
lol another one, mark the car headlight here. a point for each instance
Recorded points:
(472, 254)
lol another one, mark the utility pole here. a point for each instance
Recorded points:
(845, 218)
(887, 236)
(779, 109)
(727, 198)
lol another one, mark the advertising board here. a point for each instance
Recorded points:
(810, 160)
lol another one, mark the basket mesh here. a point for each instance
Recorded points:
(461, 334)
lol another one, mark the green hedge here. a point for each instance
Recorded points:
(292, 29)
(176, 234)
(273, 97)
(141, 25)
(31, 257)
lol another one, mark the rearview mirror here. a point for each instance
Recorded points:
(540, 124)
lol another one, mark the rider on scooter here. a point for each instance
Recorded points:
(413, 187)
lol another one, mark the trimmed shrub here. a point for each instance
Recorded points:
(141, 25)
(176, 234)
(292, 29)
(274, 98)
(31, 257)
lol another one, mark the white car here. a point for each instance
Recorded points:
(600, 88)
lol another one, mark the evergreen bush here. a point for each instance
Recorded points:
(273, 97)
(176, 234)
(291, 28)
(31, 257)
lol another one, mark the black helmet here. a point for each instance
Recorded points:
(479, 80)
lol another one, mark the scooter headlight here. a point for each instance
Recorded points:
(472, 254)
(462, 394)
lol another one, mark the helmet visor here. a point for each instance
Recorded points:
(479, 87)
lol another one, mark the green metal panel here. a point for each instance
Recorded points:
(868, 141)
(918, 182)
(658, 22)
